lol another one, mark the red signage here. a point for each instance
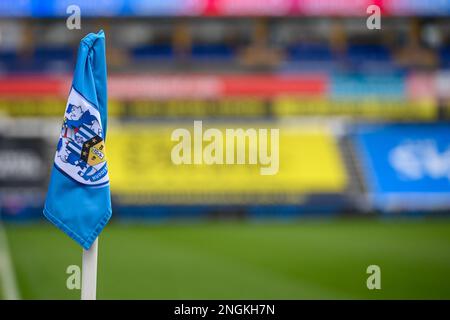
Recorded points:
(130, 87)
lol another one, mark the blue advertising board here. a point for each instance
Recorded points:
(388, 87)
(111, 8)
(406, 167)
(99, 8)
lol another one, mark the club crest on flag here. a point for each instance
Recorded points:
(80, 153)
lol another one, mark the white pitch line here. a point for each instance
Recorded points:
(7, 275)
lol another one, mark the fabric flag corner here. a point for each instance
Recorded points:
(78, 198)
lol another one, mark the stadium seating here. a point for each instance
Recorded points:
(209, 51)
(444, 54)
(153, 51)
(49, 57)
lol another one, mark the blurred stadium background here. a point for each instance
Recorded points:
(364, 147)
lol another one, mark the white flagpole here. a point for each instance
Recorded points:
(89, 273)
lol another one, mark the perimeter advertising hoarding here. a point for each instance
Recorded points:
(24, 168)
(173, 86)
(387, 87)
(23, 163)
(130, 8)
(237, 108)
(177, 96)
(406, 167)
(415, 86)
(362, 108)
(142, 171)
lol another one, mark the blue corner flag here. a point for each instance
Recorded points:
(78, 198)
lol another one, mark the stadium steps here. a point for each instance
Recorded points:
(356, 188)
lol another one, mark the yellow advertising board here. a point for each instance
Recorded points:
(425, 109)
(141, 165)
(45, 107)
(51, 107)
(235, 107)
(279, 107)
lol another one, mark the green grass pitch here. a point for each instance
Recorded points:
(306, 259)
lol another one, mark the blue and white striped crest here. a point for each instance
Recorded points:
(81, 150)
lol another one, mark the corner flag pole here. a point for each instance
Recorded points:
(86, 114)
(89, 273)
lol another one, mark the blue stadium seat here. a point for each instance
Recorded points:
(360, 53)
(9, 59)
(46, 54)
(153, 51)
(364, 57)
(212, 51)
(309, 57)
(444, 55)
(51, 58)
(309, 52)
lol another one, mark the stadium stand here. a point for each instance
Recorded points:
(313, 72)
